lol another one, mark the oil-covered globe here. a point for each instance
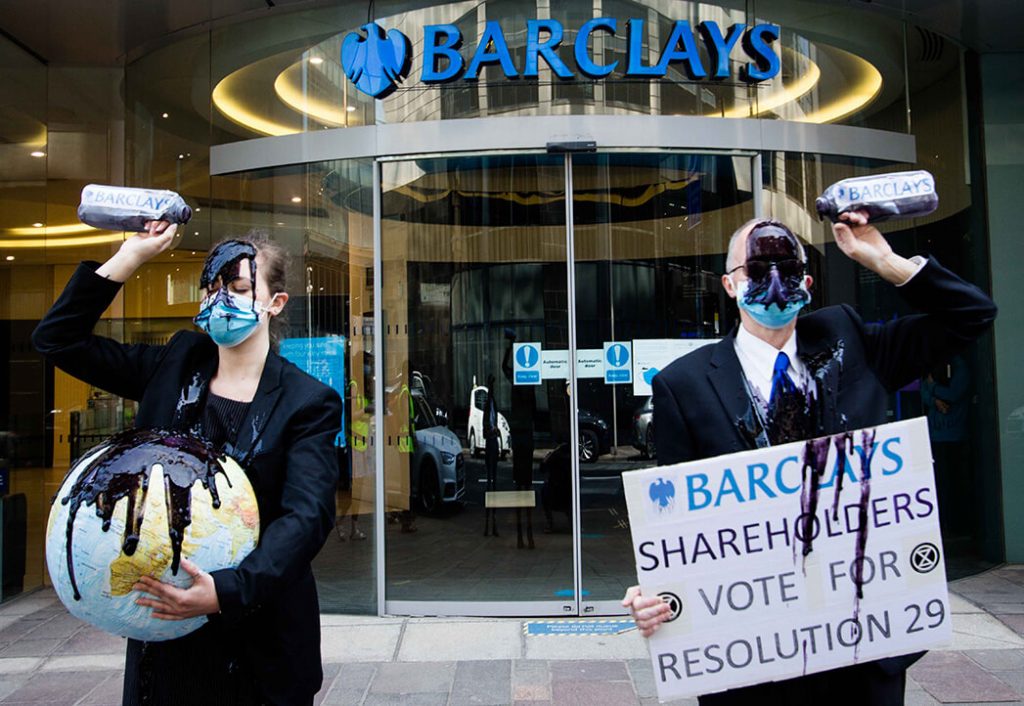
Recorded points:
(136, 505)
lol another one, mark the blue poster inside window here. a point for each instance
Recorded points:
(324, 359)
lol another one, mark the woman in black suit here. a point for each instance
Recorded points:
(262, 641)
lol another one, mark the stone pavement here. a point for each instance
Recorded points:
(49, 657)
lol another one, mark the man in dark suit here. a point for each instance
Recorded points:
(778, 378)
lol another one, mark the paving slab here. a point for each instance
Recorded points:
(361, 643)
(91, 641)
(951, 677)
(471, 640)
(30, 647)
(1013, 622)
(106, 693)
(589, 693)
(487, 683)
(629, 645)
(981, 631)
(14, 665)
(57, 687)
(405, 678)
(959, 604)
(998, 660)
(83, 663)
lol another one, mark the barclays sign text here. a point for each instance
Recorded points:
(378, 61)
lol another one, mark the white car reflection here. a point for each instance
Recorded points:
(475, 428)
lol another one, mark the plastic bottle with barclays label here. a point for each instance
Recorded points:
(882, 196)
(128, 209)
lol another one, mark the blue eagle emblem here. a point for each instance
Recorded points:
(662, 493)
(377, 62)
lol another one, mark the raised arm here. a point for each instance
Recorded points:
(65, 334)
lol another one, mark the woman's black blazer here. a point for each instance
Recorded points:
(286, 445)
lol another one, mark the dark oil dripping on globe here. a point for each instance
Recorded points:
(122, 470)
(224, 261)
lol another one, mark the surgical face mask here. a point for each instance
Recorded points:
(774, 314)
(228, 318)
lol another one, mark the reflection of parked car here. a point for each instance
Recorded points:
(643, 428)
(595, 436)
(475, 430)
(422, 384)
(438, 469)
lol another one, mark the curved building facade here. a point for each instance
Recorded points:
(455, 180)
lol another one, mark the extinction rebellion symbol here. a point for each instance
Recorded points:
(674, 604)
(924, 558)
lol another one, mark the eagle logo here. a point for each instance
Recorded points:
(663, 494)
(377, 61)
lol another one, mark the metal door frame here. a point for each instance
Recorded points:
(577, 606)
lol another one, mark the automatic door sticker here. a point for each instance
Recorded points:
(526, 358)
(618, 363)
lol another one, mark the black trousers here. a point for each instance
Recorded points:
(204, 667)
(860, 685)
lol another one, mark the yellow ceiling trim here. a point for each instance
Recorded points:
(80, 241)
(291, 94)
(234, 109)
(859, 94)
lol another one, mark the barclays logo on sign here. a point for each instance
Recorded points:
(377, 61)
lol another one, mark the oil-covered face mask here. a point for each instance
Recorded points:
(229, 318)
(776, 287)
(771, 315)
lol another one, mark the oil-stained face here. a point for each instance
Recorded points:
(224, 262)
(230, 313)
(776, 285)
(774, 267)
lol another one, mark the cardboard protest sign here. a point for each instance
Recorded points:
(791, 559)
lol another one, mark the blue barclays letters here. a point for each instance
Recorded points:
(443, 60)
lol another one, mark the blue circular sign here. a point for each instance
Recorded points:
(527, 356)
(617, 356)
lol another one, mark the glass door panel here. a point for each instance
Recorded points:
(650, 235)
(477, 493)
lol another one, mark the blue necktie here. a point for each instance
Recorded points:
(781, 382)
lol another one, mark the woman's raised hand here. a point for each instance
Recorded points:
(138, 249)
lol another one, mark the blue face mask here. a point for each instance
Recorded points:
(774, 315)
(228, 318)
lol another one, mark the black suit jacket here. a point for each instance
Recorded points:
(701, 407)
(286, 446)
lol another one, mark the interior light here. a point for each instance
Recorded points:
(165, 116)
(9, 258)
(316, 60)
(37, 154)
(296, 199)
(351, 109)
(37, 225)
